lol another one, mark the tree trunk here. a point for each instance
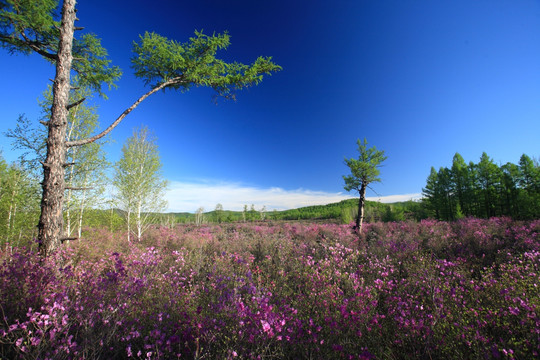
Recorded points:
(361, 201)
(139, 221)
(83, 203)
(129, 225)
(50, 221)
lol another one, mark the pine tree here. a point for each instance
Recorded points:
(29, 26)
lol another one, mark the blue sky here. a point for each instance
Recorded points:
(421, 80)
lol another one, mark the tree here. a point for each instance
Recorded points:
(364, 171)
(432, 194)
(85, 169)
(488, 177)
(510, 193)
(140, 187)
(459, 176)
(244, 213)
(529, 183)
(28, 26)
(219, 213)
(19, 204)
(445, 192)
(199, 216)
(484, 189)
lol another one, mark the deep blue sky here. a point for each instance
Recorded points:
(419, 79)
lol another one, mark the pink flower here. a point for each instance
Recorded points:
(266, 326)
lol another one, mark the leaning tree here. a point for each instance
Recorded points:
(29, 26)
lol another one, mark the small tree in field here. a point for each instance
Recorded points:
(30, 26)
(140, 188)
(364, 171)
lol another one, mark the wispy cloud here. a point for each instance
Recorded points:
(189, 196)
(395, 198)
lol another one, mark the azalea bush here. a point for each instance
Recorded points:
(466, 289)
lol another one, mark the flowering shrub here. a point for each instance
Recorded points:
(467, 289)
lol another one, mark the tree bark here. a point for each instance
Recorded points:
(50, 221)
(361, 201)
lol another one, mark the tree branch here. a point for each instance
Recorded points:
(78, 188)
(81, 142)
(76, 103)
(35, 45)
(69, 238)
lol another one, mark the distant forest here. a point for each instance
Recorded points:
(341, 212)
(484, 189)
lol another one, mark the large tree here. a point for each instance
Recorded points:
(138, 181)
(28, 26)
(364, 171)
(85, 169)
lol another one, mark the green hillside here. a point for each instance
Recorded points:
(344, 211)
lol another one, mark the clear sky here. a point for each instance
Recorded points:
(419, 79)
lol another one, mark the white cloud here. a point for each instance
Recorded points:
(396, 198)
(189, 196)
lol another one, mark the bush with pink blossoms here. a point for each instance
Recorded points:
(438, 290)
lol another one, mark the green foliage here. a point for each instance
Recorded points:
(158, 60)
(19, 206)
(86, 169)
(365, 169)
(91, 64)
(33, 26)
(138, 180)
(28, 25)
(484, 189)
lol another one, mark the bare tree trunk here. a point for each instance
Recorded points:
(83, 203)
(8, 232)
(70, 182)
(139, 221)
(361, 202)
(129, 225)
(13, 205)
(50, 221)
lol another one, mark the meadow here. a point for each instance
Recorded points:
(427, 290)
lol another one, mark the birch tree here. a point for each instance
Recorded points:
(29, 26)
(85, 166)
(199, 216)
(18, 205)
(138, 181)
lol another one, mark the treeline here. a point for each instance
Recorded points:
(484, 189)
(346, 211)
(341, 212)
(19, 205)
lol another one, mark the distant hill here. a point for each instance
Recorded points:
(344, 211)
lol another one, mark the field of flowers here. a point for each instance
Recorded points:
(430, 290)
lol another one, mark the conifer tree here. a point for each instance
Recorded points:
(29, 26)
(364, 171)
